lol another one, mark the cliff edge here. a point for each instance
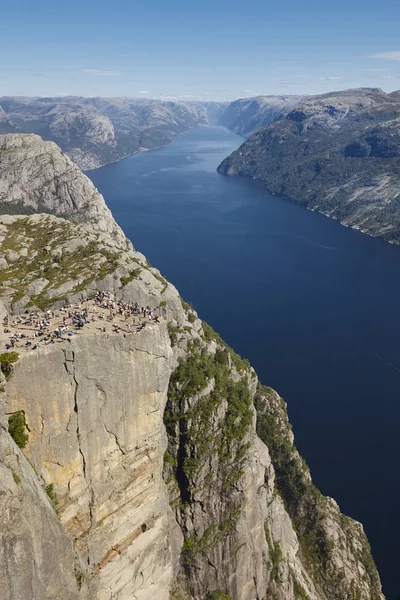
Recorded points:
(141, 456)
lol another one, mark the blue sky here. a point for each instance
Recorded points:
(197, 49)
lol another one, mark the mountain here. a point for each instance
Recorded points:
(141, 461)
(338, 153)
(6, 125)
(95, 131)
(247, 115)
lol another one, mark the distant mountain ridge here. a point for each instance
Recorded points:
(336, 153)
(96, 131)
(247, 115)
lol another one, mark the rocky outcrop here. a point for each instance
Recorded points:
(35, 176)
(337, 153)
(173, 472)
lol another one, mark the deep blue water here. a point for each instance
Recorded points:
(313, 305)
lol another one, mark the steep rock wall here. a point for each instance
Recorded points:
(94, 412)
(37, 559)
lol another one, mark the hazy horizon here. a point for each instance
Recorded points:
(213, 51)
(180, 99)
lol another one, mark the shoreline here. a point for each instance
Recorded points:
(315, 210)
(111, 162)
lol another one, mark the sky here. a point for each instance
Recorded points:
(197, 49)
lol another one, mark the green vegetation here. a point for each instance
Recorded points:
(210, 538)
(173, 332)
(187, 306)
(275, 557)
(203, 426)
(49, 257)
(80, 577)
(162, 280)
(17, 428)
(177, 593)
(240, 364)
(217, 595)
(133, 274)
(52, 496)
(16, 478)
(321, 166)
(305, 504)
(7, 359)
(210, 335)
(298, 590)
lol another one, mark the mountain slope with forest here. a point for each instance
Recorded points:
(338, 153)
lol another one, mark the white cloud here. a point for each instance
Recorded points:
(394, 55)
(144, 92)
(100, 73)
(330, 78)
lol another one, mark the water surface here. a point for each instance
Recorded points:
(314, 306)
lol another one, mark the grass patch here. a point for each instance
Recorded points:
(7, 360)
(133, 274)
(48, 257)
(49, 489)
(17, 428)
(16, 478)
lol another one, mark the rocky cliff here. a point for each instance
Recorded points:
(337, 153)
(170, 471)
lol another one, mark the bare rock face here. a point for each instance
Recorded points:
(67, 123)
(100, 442)
(37, 559)
(35, 176)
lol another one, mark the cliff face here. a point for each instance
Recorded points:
(36, 554)
(35, 176)
(100, 440)
(337, 153)
(173, 470)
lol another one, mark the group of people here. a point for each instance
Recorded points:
(33, 329)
